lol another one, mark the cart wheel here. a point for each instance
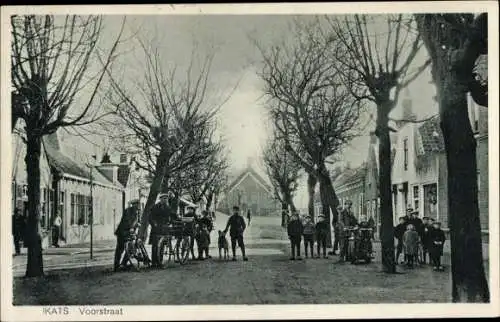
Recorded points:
(183, 249)
(163, 249)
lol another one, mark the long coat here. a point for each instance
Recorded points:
(129, 220)
(410, 242)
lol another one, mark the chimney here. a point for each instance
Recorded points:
(108, 169)
(123, 158)
(407, 107)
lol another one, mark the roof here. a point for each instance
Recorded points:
(431, 136)
(249, 171)
(65, 165)
(351, 175)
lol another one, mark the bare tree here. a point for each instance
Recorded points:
(283, 173)
(203, 176)
(52, 63)
(169, 123)
(454, 43)
(313, 112)
(378, 52)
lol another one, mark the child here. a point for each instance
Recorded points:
(399, 231)
(410, 244)
(295, 230)
(436, 243)
(309, 236)
(322, 234)
(425, 238)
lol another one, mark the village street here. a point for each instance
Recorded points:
(268, 277)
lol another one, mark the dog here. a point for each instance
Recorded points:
(223, 244)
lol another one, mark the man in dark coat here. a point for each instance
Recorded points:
(236, 226)
(295, 230)
(348, 216)
(399, 231)
(129, 220)
(417, 223)
(161, 214)
(18, 226)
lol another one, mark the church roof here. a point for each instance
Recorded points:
(249, 171)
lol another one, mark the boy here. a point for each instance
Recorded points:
(309, 236)
(236, 226)
(425, 239)
(322, 234)
(436, 243)
(295, 230)
(399, 231)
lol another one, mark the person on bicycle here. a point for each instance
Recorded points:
(349, 219)
(129, 221)
(161, 214)
(236, 226)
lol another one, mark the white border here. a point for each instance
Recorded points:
(207, 312)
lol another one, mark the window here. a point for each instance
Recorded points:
(405, 148)
(44, 209)
(416, 199)
(62, 204)
(25, 191)
(73, 209)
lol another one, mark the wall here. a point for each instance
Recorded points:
(107, 211)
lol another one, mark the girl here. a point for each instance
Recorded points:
(410, 244)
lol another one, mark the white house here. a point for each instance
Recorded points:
(66, 187)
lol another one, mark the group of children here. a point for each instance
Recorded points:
(308, 230)
(413, 234)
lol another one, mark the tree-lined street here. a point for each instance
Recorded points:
(324, 83)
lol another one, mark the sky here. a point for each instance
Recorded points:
(242, 119)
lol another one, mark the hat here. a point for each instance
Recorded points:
(425, 217)
(437, 223)
(163, 195)
(431, 219)
(133, 201)
(414, 212)
(236, 208)
(409, 208)
(321, 216)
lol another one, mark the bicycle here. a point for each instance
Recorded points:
(181, 231)
(135, 250)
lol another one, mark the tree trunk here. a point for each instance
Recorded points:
(469, 282)
(210, 198)
(386, 220)
(154, 190)
(284, 215)
(329, 200)
(311, 187)
(33, 236)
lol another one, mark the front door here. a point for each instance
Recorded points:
(430, 201)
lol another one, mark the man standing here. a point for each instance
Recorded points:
(17, 230)
(336, 231)
(56, 230)
(236, 226)
(349, 219)
(399, 231)
(129, 220)
(249, 216)
(161, 214)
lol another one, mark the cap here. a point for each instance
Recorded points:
(425, 217)
(236, 208)
(409, 209)
(437, 223)
(163, 195)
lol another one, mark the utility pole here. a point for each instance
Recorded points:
(91, 217)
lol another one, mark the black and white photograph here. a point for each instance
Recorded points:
(275, 158)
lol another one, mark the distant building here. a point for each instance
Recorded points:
(249, 190)
(65, 186)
